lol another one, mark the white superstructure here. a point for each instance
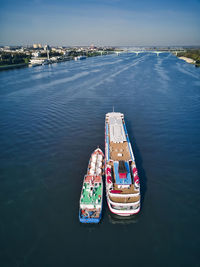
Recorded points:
(116, 128)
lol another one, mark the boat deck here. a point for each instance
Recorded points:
(124, 199)
(130, 190)
(91, 194)
(90, 213)
(119, 151)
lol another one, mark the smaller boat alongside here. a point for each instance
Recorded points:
(91, 199)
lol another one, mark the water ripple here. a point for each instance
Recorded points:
(52, 118)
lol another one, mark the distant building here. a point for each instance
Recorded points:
(7, 47)
(37, 46)
(92, 47)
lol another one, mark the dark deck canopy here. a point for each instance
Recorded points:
(122, 167)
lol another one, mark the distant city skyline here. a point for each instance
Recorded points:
(103, 23)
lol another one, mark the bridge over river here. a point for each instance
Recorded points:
(149, 51)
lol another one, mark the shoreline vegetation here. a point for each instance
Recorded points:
(10, 60)
(191, 56)
(13, 66)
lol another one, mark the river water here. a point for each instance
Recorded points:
(52, 118)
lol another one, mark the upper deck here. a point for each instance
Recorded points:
(118, 144)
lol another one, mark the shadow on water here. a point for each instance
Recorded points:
(90, 227)
(105, 207)
(138, 159)
(116, 219)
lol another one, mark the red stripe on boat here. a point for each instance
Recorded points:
(109, 179)
(136, 179)
(108, 170)
(134, 170)
(115, 191)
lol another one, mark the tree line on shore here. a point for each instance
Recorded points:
(191, 53)
(7, 58)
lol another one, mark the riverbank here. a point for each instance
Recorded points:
(188, 60)
(52, 60)
(191, 56)
(13, 66)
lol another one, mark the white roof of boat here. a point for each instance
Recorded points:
(115, 114)
(116, 128)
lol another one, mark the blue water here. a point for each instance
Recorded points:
(52, 118)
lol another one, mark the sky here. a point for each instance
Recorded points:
(100, 22)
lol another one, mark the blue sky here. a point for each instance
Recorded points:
(103, 22)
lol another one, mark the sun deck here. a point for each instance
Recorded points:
(117, 138)
(119, 151)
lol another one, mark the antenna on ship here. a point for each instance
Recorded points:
(113, 109)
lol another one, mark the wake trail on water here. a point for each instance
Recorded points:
(35, 89)
(105, 77)
(162, 74)
(185, 68)
(77, 83)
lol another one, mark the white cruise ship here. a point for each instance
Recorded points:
(122, 181)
